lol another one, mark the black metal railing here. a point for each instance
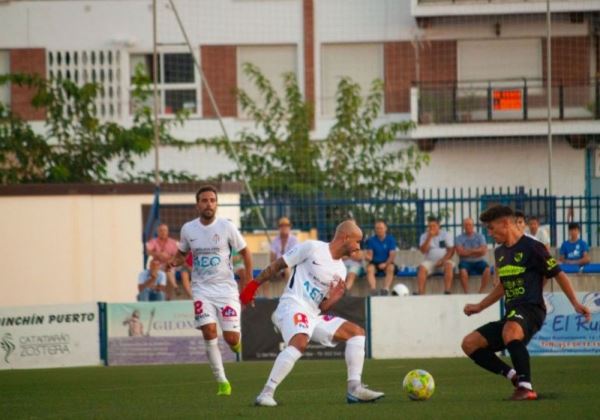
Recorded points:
(507, 100)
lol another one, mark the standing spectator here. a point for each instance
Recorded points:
(282, 243)
(380, 255)
(163, 249)
(438, 247)
(237, 263)
(471, 248)
(537, 232)
(354, 267)
(152, 283)
(574, 251)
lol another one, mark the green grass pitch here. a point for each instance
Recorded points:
(569, 388)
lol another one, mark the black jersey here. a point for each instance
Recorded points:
(522, 268)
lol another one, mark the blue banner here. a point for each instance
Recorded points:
(566, 332)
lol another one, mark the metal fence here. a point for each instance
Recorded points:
(406, 216)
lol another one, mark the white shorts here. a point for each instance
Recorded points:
(432, 269)
(293, 319)
(223, 310)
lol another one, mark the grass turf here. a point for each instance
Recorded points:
(569, 387)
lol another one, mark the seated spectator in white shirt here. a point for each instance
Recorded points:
(537, 232)
(574, 251)
(438, 247)
(152, 283)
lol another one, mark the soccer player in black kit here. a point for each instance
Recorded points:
(521, 263)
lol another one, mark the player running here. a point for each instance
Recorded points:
(315, 285)
(522, 263)
(214, 290)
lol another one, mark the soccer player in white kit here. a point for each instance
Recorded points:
(214, 289)
(315, 285)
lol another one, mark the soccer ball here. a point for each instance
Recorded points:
(418, 385)
(400, 290)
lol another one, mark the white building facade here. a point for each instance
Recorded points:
(469, 74)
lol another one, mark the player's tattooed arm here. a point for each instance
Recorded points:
(336, 292)
(271, 270)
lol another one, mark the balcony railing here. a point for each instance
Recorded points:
(506, 100)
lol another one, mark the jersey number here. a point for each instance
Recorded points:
(198, 307)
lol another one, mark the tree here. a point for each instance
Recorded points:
(359, 160)
(77, 146)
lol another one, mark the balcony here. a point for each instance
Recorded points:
(434, 8)
(504, 107)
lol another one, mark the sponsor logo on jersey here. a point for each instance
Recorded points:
(551, 263)
(301, 320)
(228, 312)
(315, 263)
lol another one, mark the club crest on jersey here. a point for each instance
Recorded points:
(215, 238)
(328, 317)
(301, 320)
(518, 257)
(228, 312)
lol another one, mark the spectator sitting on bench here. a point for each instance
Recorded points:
(537, 232)
(575, 251)
(438, 247)
(152, 283)
(471, 248)
(380, 255)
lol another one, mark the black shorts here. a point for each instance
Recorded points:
(529, 317)
(379, 272)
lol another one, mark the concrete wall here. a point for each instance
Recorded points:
(77, 248)
(400, 327)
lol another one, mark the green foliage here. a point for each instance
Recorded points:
(360, 158)
(76, 146)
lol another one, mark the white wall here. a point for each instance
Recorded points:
(77, 248)
(501, 163)
(423, 326)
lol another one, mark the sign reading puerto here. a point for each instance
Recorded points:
(508, 100)
(49, 336)
(564, 331)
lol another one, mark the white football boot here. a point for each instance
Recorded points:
(265, 400)
(362, 394)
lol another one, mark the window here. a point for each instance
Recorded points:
(363, 63)
(5, 69)
(177, 87)
(273, 61)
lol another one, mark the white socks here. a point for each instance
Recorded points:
(214, 359)
(355, 359)
(281, 368)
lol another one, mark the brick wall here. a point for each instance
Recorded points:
(219, 64)
(309, 53)
(437, 61)
(399, 73)
(28, 61)
(570, 60)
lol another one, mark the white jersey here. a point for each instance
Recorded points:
(211, 245)
(313, 271)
